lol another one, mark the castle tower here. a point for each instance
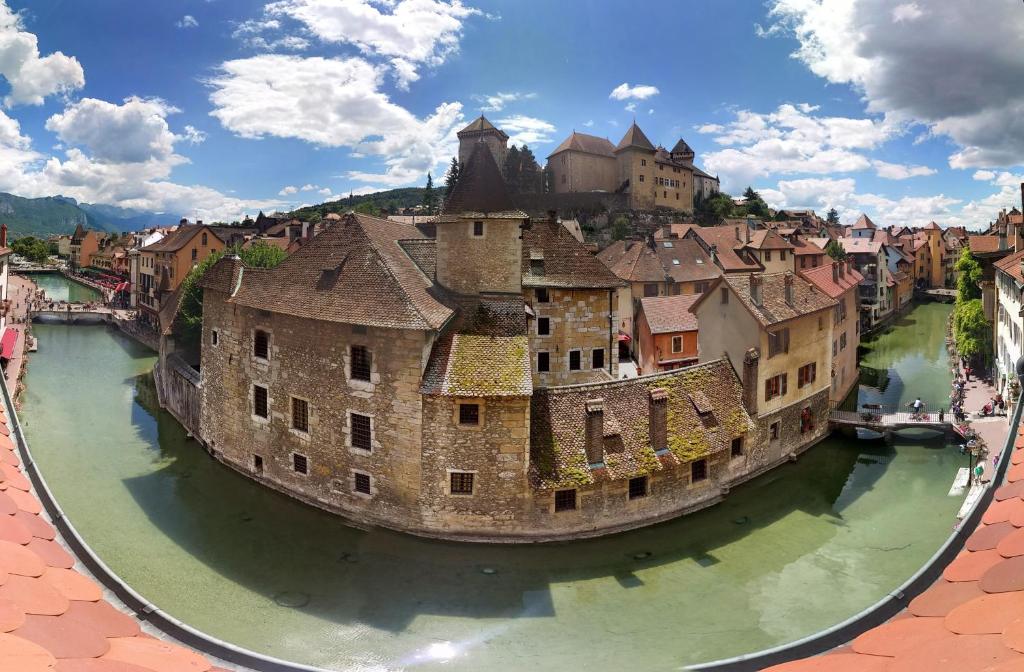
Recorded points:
(481, 130)
(682, 152)
(479, 242)
(635, 156)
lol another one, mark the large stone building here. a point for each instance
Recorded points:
(481, 130)
(398, 379)
(652, 177)
(165, 263)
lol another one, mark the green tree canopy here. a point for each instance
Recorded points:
(429, 197)
(452, 177)
(33, 249)
(369, 208)
(620, 227)
(712, 210)
(835, 250)
(968, 278)
(972, 333)
(832, 218)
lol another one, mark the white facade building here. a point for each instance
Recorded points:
(1009, 324)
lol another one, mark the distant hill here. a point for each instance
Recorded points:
(42, 217)
(391, 200)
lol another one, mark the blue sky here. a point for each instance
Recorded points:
(211, 108)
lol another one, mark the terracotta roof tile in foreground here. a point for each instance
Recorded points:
(52, 618)
(970, 620)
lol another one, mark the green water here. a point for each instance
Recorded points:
(59, 288)
(802, 548)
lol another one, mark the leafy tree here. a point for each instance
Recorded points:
(712, 210)
(512, 170)
(751, 195)
(832, 218)
(968, 277)
(452, 178)
(620, 227)
(972, 333)
(371, 208)
(429, 197)
(835, 250)
(780, 216)
(530, 179)
(262, 255)
(32, 248)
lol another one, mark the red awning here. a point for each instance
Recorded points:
(7, 343)
(624, 337)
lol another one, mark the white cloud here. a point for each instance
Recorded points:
(252, 34)
(639, 92)
(132, 132)
(792, 140)
(32, 77)
(984, 175)
(631, 107)
(525, 130)
(287, 191)
(589, 123)
(958, 70)
(496, 102)
(193, 135)
(324, 192)
(898, 171)
(310, 187)
(187, 21)
(410, 33)
(333, 103)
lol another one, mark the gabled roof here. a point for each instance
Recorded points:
(984, 244)
(773, 309)
(669, 314)
(727, 246)
(566, 261)
(932, 226)
(805, 246)
(481, 190)
(588, 144)
(633, 261)
(1011, 265)
(860, 245)
(766, 239)
(705, 413)
(173, 242)
(864, 222)
(681, 148)
(675, 259)
(634, 137)
(355, 272)
(833, 283)
(481, 124)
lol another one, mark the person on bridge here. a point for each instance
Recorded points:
(917, 405)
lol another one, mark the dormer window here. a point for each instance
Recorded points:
(668, 243)
(675, 262)
(478, 229)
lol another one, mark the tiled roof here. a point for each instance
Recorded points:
(864, 222)
(860, 246)
(173, 242)
(728, 247)
(822, 278)
(53, 617)
(765, 239)
(634, 137)
(681, 147)
(684, 260)
(354, 272)
(932, 226)
(669, 314)
(805, 246)
(484, 352)
(423, 251)
(480, 124)
(480, 191)
(633, 261)
(1011, 265)
(638, 262)
(774, 309)
(558, 415)
(567, 261)
(984, 244)
(970, 620)
(589, 144)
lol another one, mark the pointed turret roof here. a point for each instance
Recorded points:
(480, 188)
(479, 125)
(864, 222)
(932, 226)
(682, 148)
(634, 137)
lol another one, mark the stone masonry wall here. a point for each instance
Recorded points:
(469, 264)
(579, 320)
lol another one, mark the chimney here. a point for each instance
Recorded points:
(750, 365)
(199, 222)
(835, 271)
(183, 222)
(788, 288)
(594, 431)
(1002, 236)
(658, 418)
(842, 268)
(713, 251)
(756, 291)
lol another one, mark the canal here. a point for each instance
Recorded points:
(799, 549)
(59, 288)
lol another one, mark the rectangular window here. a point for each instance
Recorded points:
(778, 342)
(725, 295)
(543, 362)
(773, 431)
(478, 229)
(361, 483)
(300, 464)
(195, 254)
(638, 487)
(643, 162)
(462, 483)
(650, 289)
(574, 360)
(300, 414)
(259, 401)
(204, 238)
(842, 341)
(736, 450)
(214, 337)
(677, 344)
(257, 464)
(543, 326)
(362, 433)
(641, 178)
(469, 414)
(597, 358)
(698, 471)
(542, 295)
(261, 344)
(360, 367)
(775, 387)
(767, 255)
(565, 500)
(806, 374)
(835, 348)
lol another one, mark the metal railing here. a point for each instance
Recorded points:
(883, 414)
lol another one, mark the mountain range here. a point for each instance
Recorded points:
(42, 217)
